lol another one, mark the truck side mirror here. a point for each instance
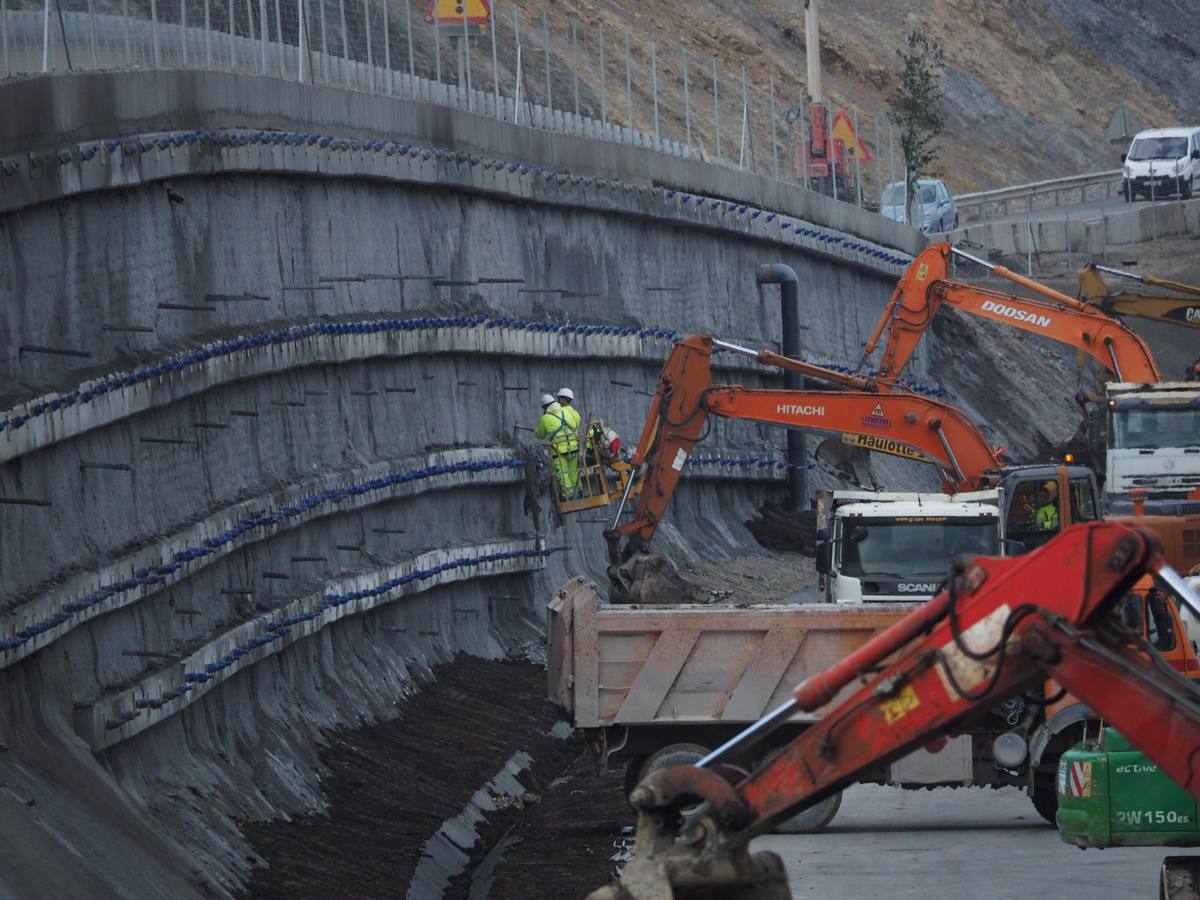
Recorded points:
(824, 557)
(1014, 547)
(823, 533)
(1122, 157)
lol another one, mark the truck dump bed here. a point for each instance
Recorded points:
(728, 663)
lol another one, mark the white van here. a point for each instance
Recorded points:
(1161, 161)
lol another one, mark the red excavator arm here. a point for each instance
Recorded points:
(686, 397)
(1001, 626)
(925, 286)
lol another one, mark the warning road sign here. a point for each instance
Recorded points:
(449, 13)
(843, 130)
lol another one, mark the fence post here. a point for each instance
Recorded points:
(745, 124)
(412, 62)
(628, 84)
(716, 109)
(878, 164)
(4, 34)
(687, 104)
(125, 31)
(774, 144)
(153, 32)
(387, 45)
(892, 155)
(324, 42)
(367, 33)
(466, 54)
(653, 85)
(1153, 206)
(299, 40)
(278, 38)
(1028, 245)
(1104, 226)
(804, 142)
(207, 34)
(495, 64)
(603, 80)
(91, 10)
(437, 46)
(575, 65)
(262, 36)
(183, 30)
(232, 48)
(858, 188)
(832, 151)
(546, 60)
(1067, 235)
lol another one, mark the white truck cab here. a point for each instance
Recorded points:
(887, 547)
(1161, 162)
(1153, 442)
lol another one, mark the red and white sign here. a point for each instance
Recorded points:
(1081, 779)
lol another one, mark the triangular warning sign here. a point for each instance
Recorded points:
(843, 130)
(878, 410)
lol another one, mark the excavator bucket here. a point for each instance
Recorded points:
(647, 578)
(689, 857)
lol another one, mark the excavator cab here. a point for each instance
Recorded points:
(603, 473)
(1070, 490)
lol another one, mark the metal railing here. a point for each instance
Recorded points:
(984, 205)
(551, 71)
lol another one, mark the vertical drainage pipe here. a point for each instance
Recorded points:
(789, 298)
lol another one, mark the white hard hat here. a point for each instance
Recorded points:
(547, 399)
(566, 392)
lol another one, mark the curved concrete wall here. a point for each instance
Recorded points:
(262, 447)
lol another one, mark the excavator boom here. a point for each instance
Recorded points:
(926, 286)
(1000, 626)
(686, 397)
(1183, 311)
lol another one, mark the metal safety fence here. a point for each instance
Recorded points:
(545, 69)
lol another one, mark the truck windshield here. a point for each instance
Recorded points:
(882, 547)
(1158, 148)
(1155, 427)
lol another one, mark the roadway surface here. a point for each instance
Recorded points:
(947, 844)
(1092, 209)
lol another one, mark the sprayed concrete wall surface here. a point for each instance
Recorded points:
(262, 447)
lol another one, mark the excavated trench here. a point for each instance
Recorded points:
(477, 789)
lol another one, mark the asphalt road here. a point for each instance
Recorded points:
(1077, 211)
(948, 844)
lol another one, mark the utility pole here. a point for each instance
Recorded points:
(812, 48)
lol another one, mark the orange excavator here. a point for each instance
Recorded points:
(926, 286)
(999, 627)
(687, 396)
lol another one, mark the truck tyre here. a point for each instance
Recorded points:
(1127, 192)
(813, 818)
(671, 755)
(1045, 777)
(1188, 186)
(633, 774)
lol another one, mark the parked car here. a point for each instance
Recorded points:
(1161, 162)
(938, 212)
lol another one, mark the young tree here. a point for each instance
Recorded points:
(914, 108)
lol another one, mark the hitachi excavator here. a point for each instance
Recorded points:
(1153, 427)
(1183, 311)
(1001, 626)
(687, 396)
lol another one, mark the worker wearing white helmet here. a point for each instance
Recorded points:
(566, 397)
(558, 426)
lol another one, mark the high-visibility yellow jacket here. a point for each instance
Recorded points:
(555, 426)
(1046, 517)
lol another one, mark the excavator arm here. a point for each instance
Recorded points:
(1162, 308)
(687, 396)
(925, 287)
(1000, 626)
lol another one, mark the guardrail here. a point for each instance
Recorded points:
(1093, 186)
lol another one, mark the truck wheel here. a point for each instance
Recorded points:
(1188, 187)
(1125, 189)
(671, 755)
(1045, 800)
(633, 774)
(813, 818)
(1179, 878)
